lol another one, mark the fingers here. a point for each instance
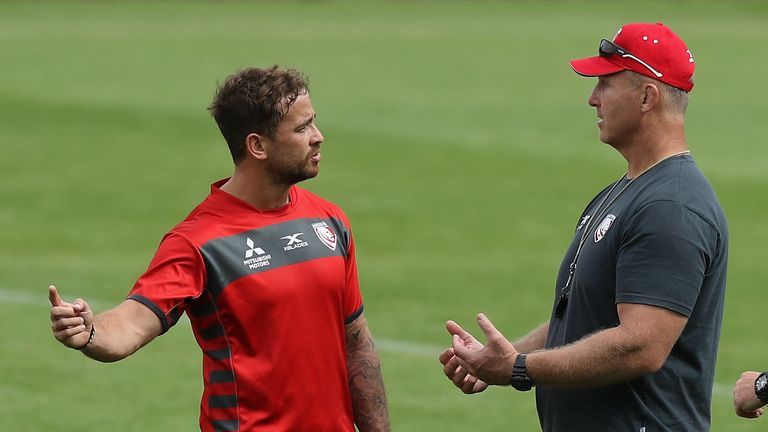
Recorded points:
(749, 414)
(72, 332)
(487, 327)
(69, 321)
(464, 349)
(460, 376)
(66, 323)
(459, 347)
(67, 333)
(453, 359)
(450, 366)
(456, 329)
(454, 366)
(81, 306)
(53, 296)
(749, 376)
(463, 356)
(473, 385)
(59, 312)
(445, 356)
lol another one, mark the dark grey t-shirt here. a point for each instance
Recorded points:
(662, 242)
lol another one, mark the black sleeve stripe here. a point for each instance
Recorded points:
(355, 315)
(153, 307)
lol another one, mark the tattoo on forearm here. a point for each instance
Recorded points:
(369, 399)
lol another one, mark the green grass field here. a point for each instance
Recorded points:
(458, 141)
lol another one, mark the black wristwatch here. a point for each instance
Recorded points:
(761, 387)
(520, 380)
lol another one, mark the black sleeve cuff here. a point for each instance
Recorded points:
(153, 307)
(355, 315)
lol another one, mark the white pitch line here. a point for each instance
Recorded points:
(411, 348)
(19, 297)
(394, 346)
(391, 346)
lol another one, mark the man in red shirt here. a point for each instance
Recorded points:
(266, 273)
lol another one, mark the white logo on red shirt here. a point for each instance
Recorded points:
(294, 242)
(325, 234)
(252, 248)
(261, 260)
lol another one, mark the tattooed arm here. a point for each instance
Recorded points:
(369, 400)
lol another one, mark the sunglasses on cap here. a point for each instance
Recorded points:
(608, 48)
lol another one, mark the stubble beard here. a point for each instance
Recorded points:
(289, 175)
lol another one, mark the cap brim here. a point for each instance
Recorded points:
(595, 66)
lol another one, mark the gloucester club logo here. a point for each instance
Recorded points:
(325, 234)
(604, 226)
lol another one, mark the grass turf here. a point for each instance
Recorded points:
(457, 139)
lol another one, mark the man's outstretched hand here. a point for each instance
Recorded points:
(472, 366)
(70, 322)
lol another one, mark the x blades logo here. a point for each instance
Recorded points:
(294, 242)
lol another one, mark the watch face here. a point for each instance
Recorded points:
(761, 387)
(761, 382)
(521, 383)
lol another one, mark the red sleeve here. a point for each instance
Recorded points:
(353, 300)
(175, 275)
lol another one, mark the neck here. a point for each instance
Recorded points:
(638, 164)
(654, 142)
(256, 190)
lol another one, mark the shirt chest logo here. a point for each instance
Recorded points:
(604, 226)
(261, 258)
(294, 242)
(325, 234)
(583, 221)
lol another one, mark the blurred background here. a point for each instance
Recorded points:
(458, 141)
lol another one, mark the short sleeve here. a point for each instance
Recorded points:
(665, 252)
(175, 275)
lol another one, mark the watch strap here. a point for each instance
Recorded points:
(519, 367)
(520, 379)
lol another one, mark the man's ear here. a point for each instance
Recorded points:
(254, 146)
(651, 97)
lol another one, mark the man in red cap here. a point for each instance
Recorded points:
(632, 338)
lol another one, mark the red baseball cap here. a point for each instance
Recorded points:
(649, 49)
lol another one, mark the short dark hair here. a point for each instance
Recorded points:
(255, 100)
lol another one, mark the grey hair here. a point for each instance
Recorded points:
(677, 99)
